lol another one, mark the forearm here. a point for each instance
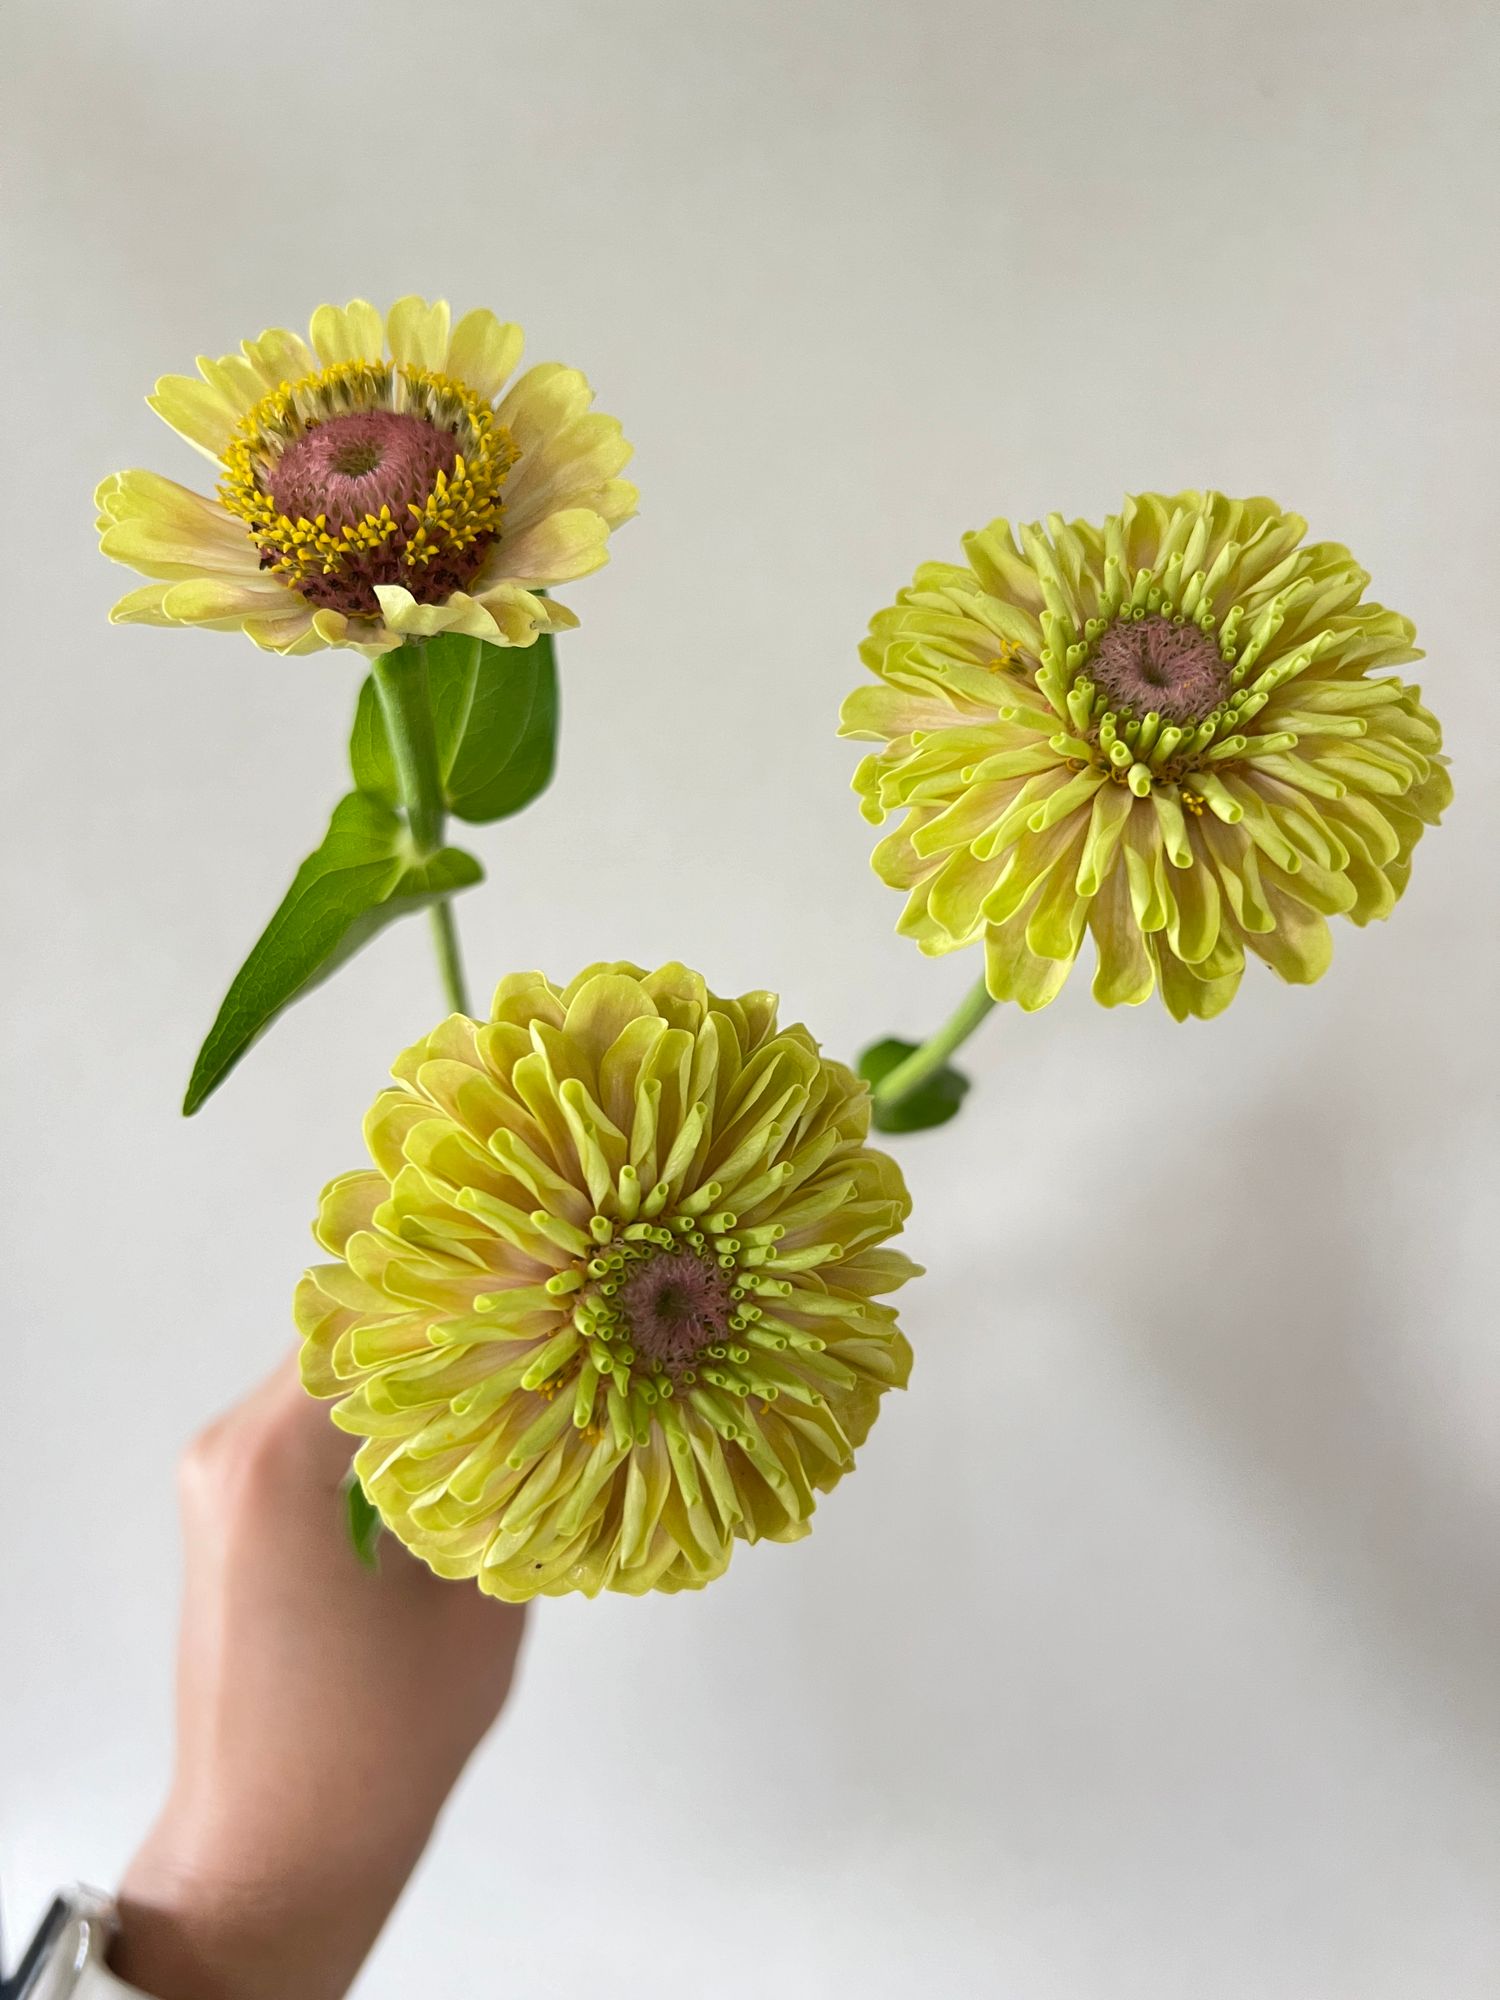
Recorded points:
(324, 1713)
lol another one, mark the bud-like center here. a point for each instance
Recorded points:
(676, 1303)
(1154, 663)
(355, 464)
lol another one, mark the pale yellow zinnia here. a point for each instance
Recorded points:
(378, 482)
(609, 1300)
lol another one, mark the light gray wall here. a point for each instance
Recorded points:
(1154, 1651)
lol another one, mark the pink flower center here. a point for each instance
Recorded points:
(1153, 663)
(353, 465)
(676, 1303)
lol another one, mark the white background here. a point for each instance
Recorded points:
(1156, 1649)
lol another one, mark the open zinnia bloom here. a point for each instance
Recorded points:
(609, 1299)
(378, 482)
(1167, 731)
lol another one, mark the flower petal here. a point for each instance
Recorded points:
(484, 352)
(558, 549)
(417, 333)
(354, 332)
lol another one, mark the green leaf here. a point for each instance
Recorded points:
(508, 747)
(933, 1103)
(364, 1523)
(494, 713)
(370, 758)
(362, 878)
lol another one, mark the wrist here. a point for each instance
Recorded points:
(204, 1918)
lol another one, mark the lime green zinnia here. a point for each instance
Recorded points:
(608, 1301)
(1167, 731)
(382, 480)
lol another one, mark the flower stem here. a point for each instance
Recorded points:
(924, 1062)
(449, 958)
(406, 703)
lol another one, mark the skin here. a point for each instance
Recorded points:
(324, 1713)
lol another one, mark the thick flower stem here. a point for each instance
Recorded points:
(910, 1074)
(406, 703)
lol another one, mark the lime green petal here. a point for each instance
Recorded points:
(1186, 995)
(1126, 971)
(1300, 946)
(1012, 971)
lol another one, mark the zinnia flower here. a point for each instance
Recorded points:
(609, 1300)
(1167, 731)
(377, 483)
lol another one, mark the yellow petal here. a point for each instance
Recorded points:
(205, 600)
(617, 501)
(203, 415)
(599, 1013)
(484, 352)
(417, 333)
(141, 607)
(573, 466)
(331, 626)
(166, 530)
(558, 549)
(347, 333)
(545, 401)
(279, 356)
(294, 633)
(403, 613)
(519, 615)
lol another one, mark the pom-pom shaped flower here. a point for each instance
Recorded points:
(609, 1300)
(377, 482)
(1167, 731)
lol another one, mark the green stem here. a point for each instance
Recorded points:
(914, 1070)
(449, 958)
(406, 703)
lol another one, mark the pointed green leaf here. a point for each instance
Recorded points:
(363, 1522)
(934, 1103)
(494, 713)
(360, 879)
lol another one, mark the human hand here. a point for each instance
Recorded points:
(324, 1713)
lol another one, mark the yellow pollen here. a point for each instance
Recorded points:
(1007, 656)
